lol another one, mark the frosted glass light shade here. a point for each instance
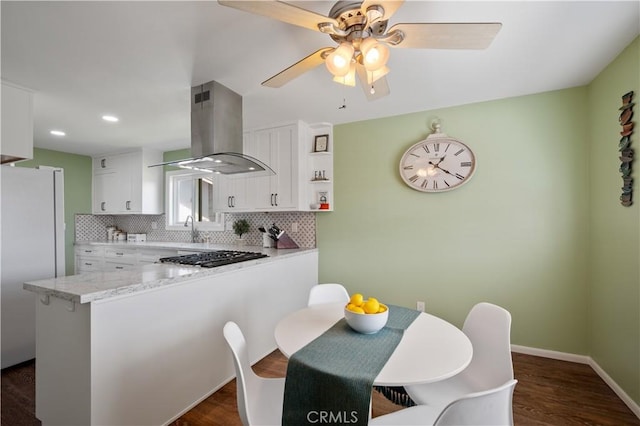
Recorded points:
(374, 55)
(372, 76)
(338, 62)
(349, 79)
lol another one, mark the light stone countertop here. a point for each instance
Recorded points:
(95, 286)
(182, 246)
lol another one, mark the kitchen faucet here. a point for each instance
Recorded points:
(193, 229)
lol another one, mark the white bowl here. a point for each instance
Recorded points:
(367, 323)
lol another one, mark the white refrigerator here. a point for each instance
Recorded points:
(31, 248)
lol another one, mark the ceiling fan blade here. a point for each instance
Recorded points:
(281, 11)
(446, 36)
(389, 6)
(380, 86)
(297, 69)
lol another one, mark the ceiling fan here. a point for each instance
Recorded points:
(360, 29)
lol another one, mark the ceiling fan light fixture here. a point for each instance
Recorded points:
(374, 55)
(349, 79)
(373, 76)
(339, 61)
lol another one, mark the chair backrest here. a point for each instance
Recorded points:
(328, 293)
(492, 407)
(246, 379)
(488, 327)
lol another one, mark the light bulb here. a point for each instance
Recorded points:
(375, 55)
(372, 90)
(338, 62)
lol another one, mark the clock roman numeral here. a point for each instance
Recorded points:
(415, 155)
(465, 164)
(435, 184)
(424, 184)
(459, 152)
(448, 145)
(436, 147)
(413, 178)
(446, 183)
(408, 167)
(459, 176)
(426, 148)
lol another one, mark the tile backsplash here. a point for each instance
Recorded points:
(94, 227)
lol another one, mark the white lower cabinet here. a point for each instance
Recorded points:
(91, 258)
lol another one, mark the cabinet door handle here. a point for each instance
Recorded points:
(128, 205)
(102, 206)
(271, 199)
(88, 264)
(103, 163)
(229, 201)
(119, 254)
(275, 197)
(233, 201)
(119, 267)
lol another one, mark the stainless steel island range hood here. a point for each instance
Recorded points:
(216, 134)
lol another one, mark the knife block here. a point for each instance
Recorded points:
(285, 242)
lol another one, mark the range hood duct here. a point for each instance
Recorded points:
(216, 134)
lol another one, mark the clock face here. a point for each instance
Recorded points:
(437, 164)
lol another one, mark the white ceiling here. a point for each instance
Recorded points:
(137, 60)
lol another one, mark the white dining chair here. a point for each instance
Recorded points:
(488, 326)
(490, 407)
(259, 399)
(328, 293)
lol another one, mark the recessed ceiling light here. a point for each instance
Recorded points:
(57, 132)
(110, 118)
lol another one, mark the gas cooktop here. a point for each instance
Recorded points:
(211, 259)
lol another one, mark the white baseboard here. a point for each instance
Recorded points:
(582, 359)
(546, 353)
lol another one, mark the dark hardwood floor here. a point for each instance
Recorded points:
(549, 392)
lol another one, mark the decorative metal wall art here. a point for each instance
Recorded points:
(626, 152)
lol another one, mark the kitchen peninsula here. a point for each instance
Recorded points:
(143, 346)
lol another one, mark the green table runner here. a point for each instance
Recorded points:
(329, 381)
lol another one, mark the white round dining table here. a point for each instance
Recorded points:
(431, 349)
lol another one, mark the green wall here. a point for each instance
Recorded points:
(515, 234)
(539, 228)
(77, 190)
(614, 303)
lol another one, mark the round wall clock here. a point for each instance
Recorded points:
(437, 164)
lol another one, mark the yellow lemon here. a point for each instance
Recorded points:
(350, 306)
(357, 299)
(371, 306)
(382, 308)
(357, 310)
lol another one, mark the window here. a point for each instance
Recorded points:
(192, 194)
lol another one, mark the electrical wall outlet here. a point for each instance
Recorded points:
(420, 306)
(294, 227)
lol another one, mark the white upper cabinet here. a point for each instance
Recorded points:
(17, 124)
(124, 184)
(277, 147)
(233, 194)
(303, 178)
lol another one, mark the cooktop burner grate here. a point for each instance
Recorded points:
(211, 259)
